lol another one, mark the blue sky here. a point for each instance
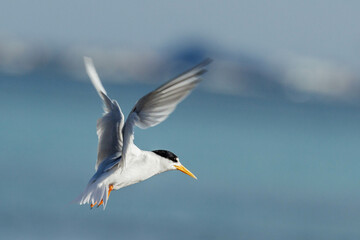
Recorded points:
(324, 29)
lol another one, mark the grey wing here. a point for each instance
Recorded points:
(109, 127)
(156, 106)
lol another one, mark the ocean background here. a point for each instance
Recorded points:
(266, 168)
(272, 132)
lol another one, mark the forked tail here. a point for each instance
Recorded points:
(95, 194)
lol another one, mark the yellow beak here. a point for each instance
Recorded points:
(184, 170)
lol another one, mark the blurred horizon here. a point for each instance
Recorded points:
(292, 78)
(297, 51)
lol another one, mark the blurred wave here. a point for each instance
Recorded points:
(291, 77)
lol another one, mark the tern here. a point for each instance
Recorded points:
(120, 162)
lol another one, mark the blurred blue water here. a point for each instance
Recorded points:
(267, 169)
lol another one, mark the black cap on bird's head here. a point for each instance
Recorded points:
(167, 154)
(172, 157)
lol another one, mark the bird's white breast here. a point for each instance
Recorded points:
(138, 167)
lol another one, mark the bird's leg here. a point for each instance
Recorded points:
(111, 187)
(101, 202)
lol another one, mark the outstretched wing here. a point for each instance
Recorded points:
(109, 127)
(157, 105)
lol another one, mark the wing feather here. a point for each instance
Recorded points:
(109, 126)
(157, 105)
(163, 100)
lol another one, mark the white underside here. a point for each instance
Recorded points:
(141, 166)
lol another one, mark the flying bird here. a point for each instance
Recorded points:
(120, 162)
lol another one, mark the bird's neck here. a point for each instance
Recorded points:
(157, 163)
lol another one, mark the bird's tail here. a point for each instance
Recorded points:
(95, 194)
